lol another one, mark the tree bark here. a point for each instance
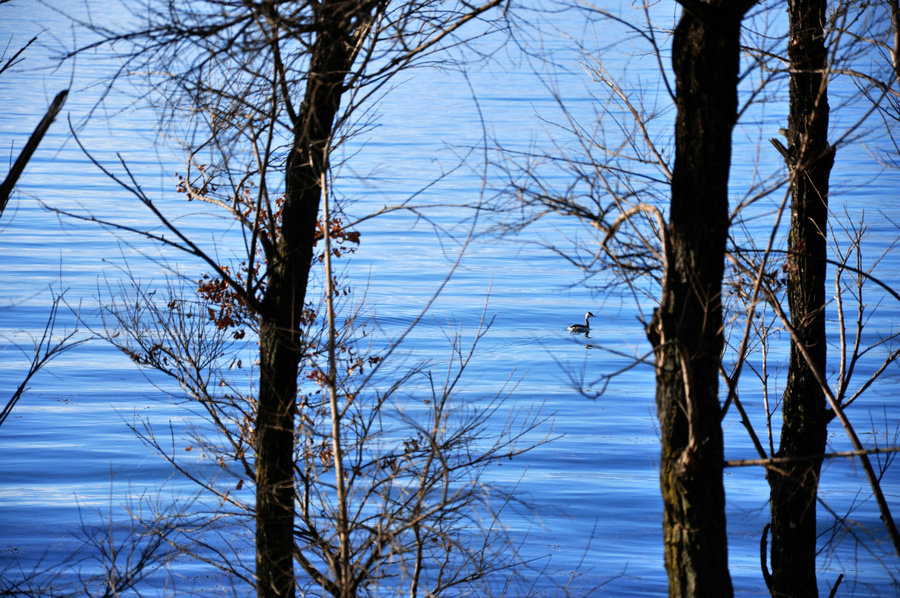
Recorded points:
(809, 158)
(686, 331)
(281, 344)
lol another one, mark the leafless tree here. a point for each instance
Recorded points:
(618, 183)
(419, 518)
(365, 492)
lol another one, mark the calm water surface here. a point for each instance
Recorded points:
(68, 457)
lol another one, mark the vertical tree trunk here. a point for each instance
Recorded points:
(687, 328)
(803, 433)
(281, 345)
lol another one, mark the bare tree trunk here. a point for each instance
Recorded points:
(687, 327)
(809, 158)
(281, 347)
(255, 61)
(9, 183)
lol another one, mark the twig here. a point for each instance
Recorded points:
(795, 459)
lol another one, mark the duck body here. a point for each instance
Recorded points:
(586, 327)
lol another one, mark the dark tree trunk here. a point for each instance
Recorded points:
(687, 328)
(9, 183)
(803, 433)
(281, 345)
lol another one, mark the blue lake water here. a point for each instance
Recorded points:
(593, 511)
